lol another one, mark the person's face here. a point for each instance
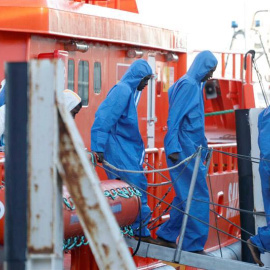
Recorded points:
(209, 75)
(143, 83)
(75, 110)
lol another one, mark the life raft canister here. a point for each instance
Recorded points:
(124, 201)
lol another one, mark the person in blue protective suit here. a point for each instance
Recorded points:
(185, 134)
(261, 241)
(115, 136)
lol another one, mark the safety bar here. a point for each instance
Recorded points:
(154, 158)
(221, 162)
(235, 66)
(219, 113)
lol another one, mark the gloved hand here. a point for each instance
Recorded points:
(100, 156)
(173, 157)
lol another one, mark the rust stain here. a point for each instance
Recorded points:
(44, 250)
(93, 207)
(36, 187)
(52, 172)
(106, 250)
(38, 216)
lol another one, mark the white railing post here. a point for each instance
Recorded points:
(45, 224)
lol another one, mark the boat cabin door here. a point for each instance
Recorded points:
(151, 118)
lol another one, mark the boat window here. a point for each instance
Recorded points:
(97, 77)
(71, 69)
(83, 81)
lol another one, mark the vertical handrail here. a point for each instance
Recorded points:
(157, 180)
(189, 199)
(223, 65)
(241, 66)
(235, 163)
(211, 167)
(220, 162)
(229, 159)
(249, 69)
(233, 73)
(151, 178)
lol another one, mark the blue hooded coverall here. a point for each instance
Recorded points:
(2, 96)
(115, 132)
(185, 134)
(262, 239)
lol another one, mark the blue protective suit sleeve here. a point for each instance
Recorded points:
(2, 96)
(264, 135)
(107, 116)
(184, 101)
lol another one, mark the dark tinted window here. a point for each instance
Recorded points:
(71, 68)
(83, 81)
(97, 77)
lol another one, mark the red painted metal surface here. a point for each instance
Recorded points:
(78, 20)
(248, 95)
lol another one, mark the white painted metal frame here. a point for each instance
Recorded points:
(151, 105)
(56, 149)
(45, 223)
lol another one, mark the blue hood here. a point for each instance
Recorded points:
(137, 70)
(201, 65)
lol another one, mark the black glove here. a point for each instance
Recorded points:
(173, 157)
(100, 156)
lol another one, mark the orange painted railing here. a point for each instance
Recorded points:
(154, 158)
(231, 64)
(221, 162)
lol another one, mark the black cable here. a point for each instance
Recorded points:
(235, 225)
(140, 233)
(203, 222)
(238, 155)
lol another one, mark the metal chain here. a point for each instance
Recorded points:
(73, 242)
